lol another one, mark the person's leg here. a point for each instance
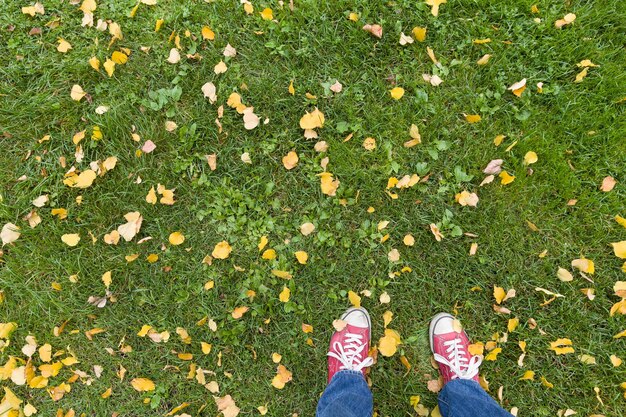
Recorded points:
(462, 395)
(347, 393)
(466, 398)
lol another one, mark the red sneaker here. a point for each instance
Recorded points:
(450, 350)
(349, 348)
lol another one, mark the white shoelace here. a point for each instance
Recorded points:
(461, 367)
(349, 353)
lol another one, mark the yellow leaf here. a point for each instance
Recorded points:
(291, 90)
(435, 6)
(106, 279)
(119, 57)
(481, 41)
(95, 63)
(290, 160)
(176, 238)
(493, 355)
(107, 393)
(472, 118)
(620, 220)
(239, 312)
(419, 33)
(387, 317)
(354, 298)
(248, 8)
(562, 346)
(77, 92)
(587, 359)
(545, 382)
(619, 248)
(369, 144)
(388, 344)
(144, 330)
(477, 348)
(483, 60)
(408, 240)
(620, 334)
(262, 243)
(567, 19)
(158, 24)
(584, 265)
(284, 295)
(281, 274)
(564, 275)
(267, 14)
(530, 158)
(353, 17)
(615, 361)
(109, 67)
(499, 294)
(151, 197)
(302, 257)
(328, 184)
(152, 258)
(29, 410)
(222, 250)
(396, 93)
(185, 356)
(312, 120)
(220, 68)
(71, 239)
(45, 351)
(269, 255)
(528, 376)
(207, 33)
(506, 178)
(142, 384)
(63, 46)
(581, 75)
(512, 324)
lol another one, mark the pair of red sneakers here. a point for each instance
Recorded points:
(349, 348)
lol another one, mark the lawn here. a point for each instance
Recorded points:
(189, 302)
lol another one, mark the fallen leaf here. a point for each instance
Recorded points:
(484, 59)
(619, 249)
(70, 239)
(530, 158)
(63, 46)
(435, 6)
(221, 250)
(567, 19)
(375, 30)
(176, 238)
(564, 275)
(472, 118)
(77, 92)
(210, 92)
(142, 384)
(419, 33)
(396, 93)
(9, 234)
(290, 161)
(518, 88)
(562, 346)
(174, 56)
(608, 183)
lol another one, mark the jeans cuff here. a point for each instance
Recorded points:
(348, 372)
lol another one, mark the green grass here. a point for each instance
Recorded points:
(315, 44)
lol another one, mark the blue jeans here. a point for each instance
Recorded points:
(348, 395)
